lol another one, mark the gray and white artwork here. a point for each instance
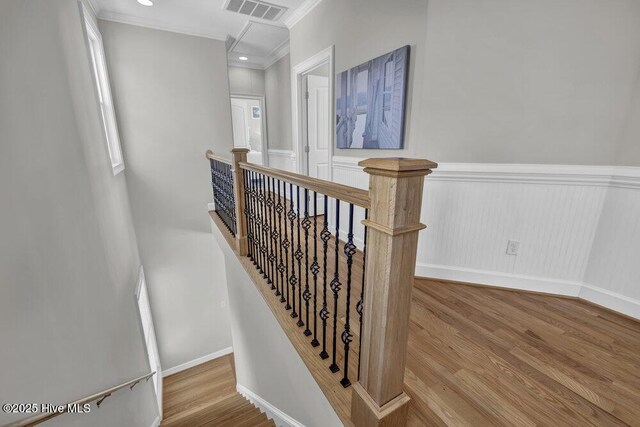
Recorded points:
(370, 104)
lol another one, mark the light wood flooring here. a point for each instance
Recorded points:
(480, 356)
(205, 395)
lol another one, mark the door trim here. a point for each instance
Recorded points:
(265, 131)
(325, 56)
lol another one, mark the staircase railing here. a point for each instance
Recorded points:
(340, 260)
(79, 405)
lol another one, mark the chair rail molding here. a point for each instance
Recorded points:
(562, 215)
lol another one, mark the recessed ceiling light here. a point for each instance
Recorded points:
(243, 58)
(145, 2)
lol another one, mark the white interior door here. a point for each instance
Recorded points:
(150, 338)
(318, 131)
(239, 122)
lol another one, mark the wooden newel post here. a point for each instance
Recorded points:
(240, 155)
(395, 188)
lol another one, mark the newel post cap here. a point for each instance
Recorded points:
(398, 166)
(240, 150)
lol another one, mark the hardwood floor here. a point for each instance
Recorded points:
(205, 395)
(481, 356)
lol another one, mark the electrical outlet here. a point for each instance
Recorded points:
(513, 247)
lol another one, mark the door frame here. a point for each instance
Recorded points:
(325, 56)
(263, 109)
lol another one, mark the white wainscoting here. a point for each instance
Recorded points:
(578, 228)
(282, 159)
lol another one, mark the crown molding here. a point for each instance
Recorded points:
(156, 25)
(300, 12)
(277, 54)
(95, 6)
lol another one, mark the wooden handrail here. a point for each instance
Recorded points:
(94, 397)
(337, 191)
(210, 155)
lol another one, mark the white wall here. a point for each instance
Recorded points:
(172, 103)
(69, 260)
(246, 81)
(577, 226)
(278, 93)
(495, 81)
(267, 364)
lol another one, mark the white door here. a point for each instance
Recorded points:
(239, 122)
(150, 338)
(318, 131)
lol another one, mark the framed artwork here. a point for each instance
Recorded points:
(371, 103)
(255, 112)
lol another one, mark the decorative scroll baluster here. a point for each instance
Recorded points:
(223, 197)
(299, 255)
(347, 335)
(274, 234)
(281, 268)
(247, 215)
(306, 223)
(256, 223)
(360, 304)
(325, 235)
(286, 244)
(315, 269)
(292, 278)
(335, 287)
(268, 219)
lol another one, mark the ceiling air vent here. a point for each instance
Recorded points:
(256, 9)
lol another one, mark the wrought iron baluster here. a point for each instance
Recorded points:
(325, 235)
(335, 287)
(268, 230)
(263, 225)
(281, 268)
(256, 228)
(292, 278)
(360, 304)
(299, 255)
(347, 335)
(315, 269)
(274, 233)
(306, 223)
(246, 215)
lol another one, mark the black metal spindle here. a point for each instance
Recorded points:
(256, 224)
(315, 269)
(246, 214)
(263, 224)
(269, 231)
(306, 223)
(325, 235)
(274, 234)
(299, 255)
(360, 304)
(292, 278)
(347, 335)
(281, 268)
(335, 287)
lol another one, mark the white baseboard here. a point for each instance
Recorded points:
(279, 418)
(599, 296)
(500, 280)
(211, 207)
(196, 362)
(156, 422)
(611, 300)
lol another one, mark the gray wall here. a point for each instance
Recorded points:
(629, 150)
(495, 80)
(266, 362)
(278, 97)
(69, 262)
(171, 94)
(246, 81)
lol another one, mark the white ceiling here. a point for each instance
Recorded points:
(262, 41)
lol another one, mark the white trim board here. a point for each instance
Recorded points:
(300, 12)
(279, 418)
(156, 422)
(196, 362)
(123, 18)
(596, 295)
